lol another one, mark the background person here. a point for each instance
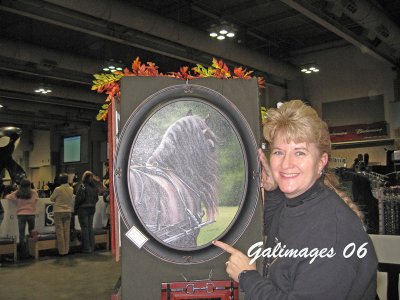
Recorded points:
(307, 211)
(26, 199)
(63, 207)
(85, 206)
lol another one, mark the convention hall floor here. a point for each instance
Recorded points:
(75, 276)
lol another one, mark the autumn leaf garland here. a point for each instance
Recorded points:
(109, 83)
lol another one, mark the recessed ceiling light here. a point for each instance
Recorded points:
(223, 31)
(213, 34)
(220, 37)
(230, 34)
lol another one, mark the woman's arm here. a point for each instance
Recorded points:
(54, 195)
(12, 196)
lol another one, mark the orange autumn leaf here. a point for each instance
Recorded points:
(242, 73)
(109, 83)
(221, 69)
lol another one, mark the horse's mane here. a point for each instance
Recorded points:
(188, 149)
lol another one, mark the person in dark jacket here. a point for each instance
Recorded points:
(317, 246)
(85, 206)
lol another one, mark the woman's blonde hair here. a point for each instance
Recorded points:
(299, 122)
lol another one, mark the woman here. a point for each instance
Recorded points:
(62, 198)
(85, 206)
(331, 255)
(26, 199)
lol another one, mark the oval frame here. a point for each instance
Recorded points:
(121, 171)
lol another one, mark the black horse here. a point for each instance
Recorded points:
(6, 161)
(178, 181)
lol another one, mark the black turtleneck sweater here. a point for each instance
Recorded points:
(317, 219)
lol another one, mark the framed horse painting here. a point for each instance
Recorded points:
(185, 173)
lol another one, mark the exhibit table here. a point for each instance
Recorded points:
(44, 222)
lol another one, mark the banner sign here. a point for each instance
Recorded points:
(358, 132)
(49, 215)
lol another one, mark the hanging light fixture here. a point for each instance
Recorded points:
(43, 89)
(112, 66)
(309, 68)
(222, 30)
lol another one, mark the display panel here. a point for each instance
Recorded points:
(185, 173)
(72, 149)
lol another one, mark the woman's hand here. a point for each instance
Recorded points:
(237, 262)
(267, 181)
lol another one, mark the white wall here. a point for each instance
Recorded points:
(347, 73)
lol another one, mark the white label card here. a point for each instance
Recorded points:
(137, 237)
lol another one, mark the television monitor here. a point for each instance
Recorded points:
(72, 149)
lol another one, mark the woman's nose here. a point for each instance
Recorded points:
(286, 161)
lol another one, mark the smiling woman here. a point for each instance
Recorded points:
(316, 245)
(296, 167)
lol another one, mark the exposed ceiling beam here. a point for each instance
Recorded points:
(60, 96)
(322, 19)
(121, 13)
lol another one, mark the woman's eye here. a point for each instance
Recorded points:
(300, 153)
(277, 152)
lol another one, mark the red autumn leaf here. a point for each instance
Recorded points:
(242, 73)
(261, 82)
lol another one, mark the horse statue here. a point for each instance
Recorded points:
(177, 182)
(7, 162)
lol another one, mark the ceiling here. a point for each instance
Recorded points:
(60, 44)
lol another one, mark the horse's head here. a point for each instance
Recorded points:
(188, 148)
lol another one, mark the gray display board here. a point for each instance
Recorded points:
(143, 272)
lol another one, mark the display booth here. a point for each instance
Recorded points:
(186, 173)
(44, 221)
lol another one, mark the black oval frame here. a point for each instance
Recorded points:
(121, 171)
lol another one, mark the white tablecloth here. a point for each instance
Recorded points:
(44, 222)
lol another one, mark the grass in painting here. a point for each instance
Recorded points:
(211, 232)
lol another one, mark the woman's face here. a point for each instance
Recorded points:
(296, 167)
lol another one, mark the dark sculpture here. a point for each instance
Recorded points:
(16, 172)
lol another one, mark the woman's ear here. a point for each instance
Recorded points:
(323, 161)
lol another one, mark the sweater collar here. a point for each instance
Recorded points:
(308, 195)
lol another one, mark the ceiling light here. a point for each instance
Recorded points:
(112, 66)
(309, 68)
(43, 90)
(222, 30)
(1, 106)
